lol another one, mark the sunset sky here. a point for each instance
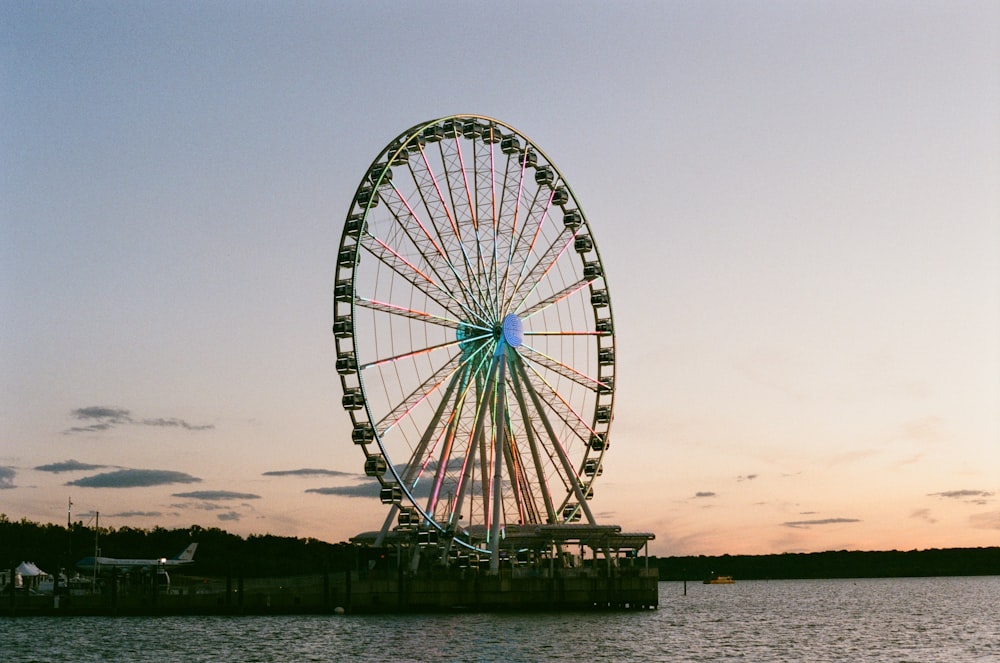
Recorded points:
(797, 205)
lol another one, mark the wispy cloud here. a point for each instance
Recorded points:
(747, 477)
(217, 495)
(966, 495)
(68, 466)
(229, 516)
(307, 472)
(923, 514)
(806, 524)
(98, 418)
(7, 475)
(990, 520)
(133, 479)
(136, 514)
(367, 489)
(704, 493)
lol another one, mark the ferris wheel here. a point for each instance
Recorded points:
(474, 337)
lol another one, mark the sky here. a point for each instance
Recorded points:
(797, 205)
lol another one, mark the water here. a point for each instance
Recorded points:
(910, 619)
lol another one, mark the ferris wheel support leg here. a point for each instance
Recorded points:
(571, 474)
(550, 510)
(499, 436)
(460, 489)
(386, 525)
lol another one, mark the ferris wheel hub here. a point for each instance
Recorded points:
(513, 330)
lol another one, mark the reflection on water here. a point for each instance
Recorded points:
(910, 619)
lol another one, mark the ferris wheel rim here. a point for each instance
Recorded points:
(360, 209)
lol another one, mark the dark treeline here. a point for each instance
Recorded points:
(220, 553)
(836, 564)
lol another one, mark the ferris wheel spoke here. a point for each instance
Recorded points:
(419, 351)
(432, 250)
(464, 205)
(530, 281)
(510, 209)
(485, 180)
(537, 384)
(554, 298)
(556, 366)
(439, 214)
(412, 274)
(405, 407)
(531, 232)
(563, 333)
(402, 311)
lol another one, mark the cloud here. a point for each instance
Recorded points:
(103, 418)
(989, 520)
(923, 514)
(68, 466)
(175, 423)
(7, 477)
(978, 496)
(216, 495)
(307, 472)
(136, 514)
(229, 516)
(704, 493)
(367, 489)
(133, 479)
(805, 524)
(748, 477)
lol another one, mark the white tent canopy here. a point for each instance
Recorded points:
(28, 569)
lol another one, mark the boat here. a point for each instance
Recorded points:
(716, 579)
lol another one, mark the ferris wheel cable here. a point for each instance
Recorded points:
(556, 443)
(554, 298)
(407, 271)
(563, 369)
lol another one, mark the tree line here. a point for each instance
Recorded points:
(221, 553)
(836, 564)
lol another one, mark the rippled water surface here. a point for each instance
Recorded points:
(911, 619)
